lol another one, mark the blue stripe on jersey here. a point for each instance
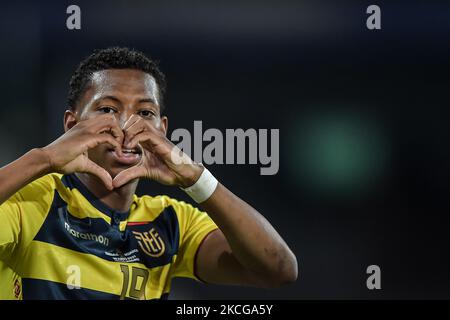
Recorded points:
(71, 181)
(95, 236)
(36, 289)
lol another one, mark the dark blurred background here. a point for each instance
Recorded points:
(363, 118)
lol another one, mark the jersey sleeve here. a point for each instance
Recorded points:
(9, 226)
(10, 283)
(22, 215)
(194, 226)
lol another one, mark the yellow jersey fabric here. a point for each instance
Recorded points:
(58, 241)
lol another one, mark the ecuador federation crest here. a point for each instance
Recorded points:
(150, 242)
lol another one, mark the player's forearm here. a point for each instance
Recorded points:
(22, 171)
(254, 242)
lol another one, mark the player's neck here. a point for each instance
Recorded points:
(119, 199)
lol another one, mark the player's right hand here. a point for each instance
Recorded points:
(68, 153)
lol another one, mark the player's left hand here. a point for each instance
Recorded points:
(161, 160)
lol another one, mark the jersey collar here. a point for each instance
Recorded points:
(72, 181)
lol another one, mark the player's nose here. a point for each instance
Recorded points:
(123, 119)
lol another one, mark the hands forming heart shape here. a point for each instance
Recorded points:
(161, 160)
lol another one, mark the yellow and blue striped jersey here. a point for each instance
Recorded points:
(58, 241)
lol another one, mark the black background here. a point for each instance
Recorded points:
(299, 66)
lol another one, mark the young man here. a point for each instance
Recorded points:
(71, 226)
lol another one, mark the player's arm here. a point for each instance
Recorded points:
(246, 250)
(65, 155)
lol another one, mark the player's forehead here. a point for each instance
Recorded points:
(125, 83)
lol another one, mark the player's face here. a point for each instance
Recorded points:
(122, 92)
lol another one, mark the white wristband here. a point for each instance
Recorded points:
(203, 188)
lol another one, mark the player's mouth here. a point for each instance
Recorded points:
(128, 157)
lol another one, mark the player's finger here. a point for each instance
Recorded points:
(116, 132)
(106, 123)
(134, 129)
(128, 175)
(109, 124)
(108, 139)
(99, 122)
(131, 120)
(101, 138)
(100, 172)
(145, 136)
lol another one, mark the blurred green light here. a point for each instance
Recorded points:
(337, 153)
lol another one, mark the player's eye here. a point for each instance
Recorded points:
(107, 109)
(146, 113)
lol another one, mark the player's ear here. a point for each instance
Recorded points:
(164, 125)
(70, 120)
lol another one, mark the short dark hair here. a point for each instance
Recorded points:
(113, 58)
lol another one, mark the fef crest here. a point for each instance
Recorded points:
(150, 242)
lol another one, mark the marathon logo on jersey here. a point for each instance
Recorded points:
(87, 236)
(150, 242)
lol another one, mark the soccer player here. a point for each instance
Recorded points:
(71, 226)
